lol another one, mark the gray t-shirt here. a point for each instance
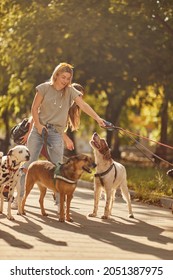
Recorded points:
(55, 105)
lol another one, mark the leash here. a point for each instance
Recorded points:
(109, 126)
(46, 143)
(146, 149)
(143, 137)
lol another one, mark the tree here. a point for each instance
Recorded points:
(117, 48)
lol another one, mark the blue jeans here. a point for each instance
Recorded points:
(35, 143)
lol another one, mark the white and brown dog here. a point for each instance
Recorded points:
(110, 175)
(9, 173)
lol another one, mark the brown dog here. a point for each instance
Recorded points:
(110, 175)
(42, 174)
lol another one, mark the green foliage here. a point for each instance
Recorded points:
(118, 48)
(88, 177)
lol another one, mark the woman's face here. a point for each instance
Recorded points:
(63, 79)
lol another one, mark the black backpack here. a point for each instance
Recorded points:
(19, 130)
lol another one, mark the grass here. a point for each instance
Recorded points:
(149, 183)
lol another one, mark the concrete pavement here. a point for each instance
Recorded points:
(32, 237)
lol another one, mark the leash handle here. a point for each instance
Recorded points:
(108, 125)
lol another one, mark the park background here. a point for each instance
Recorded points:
(122, 53)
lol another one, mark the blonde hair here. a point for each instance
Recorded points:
(74, 111)
(61, 68)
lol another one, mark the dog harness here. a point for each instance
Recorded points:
(57, 174)
(102, 174)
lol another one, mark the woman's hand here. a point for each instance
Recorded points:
(101, 122)
(24, 138)
(40, 128)
(68, 142)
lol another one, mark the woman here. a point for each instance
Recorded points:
(50, 112)
(73, 122)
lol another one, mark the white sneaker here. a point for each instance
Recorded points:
(14, 204)
(103, 196)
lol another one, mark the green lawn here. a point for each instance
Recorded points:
(149, 183)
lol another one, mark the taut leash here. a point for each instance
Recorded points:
(109, 126)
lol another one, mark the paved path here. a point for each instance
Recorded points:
(148, 236)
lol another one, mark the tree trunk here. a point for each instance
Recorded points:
(112, 136)
(5, 143)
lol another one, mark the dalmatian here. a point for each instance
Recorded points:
(10, 172)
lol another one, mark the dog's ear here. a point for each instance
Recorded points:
(9, 152)
(85, 158)
(71, 159)
(82, 157)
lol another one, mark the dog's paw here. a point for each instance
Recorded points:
(23, 213)
(131, 216)
(92, 215)
(104, 217)
(69, 220)
(45, 214)
(11, 218)
(61, 220)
